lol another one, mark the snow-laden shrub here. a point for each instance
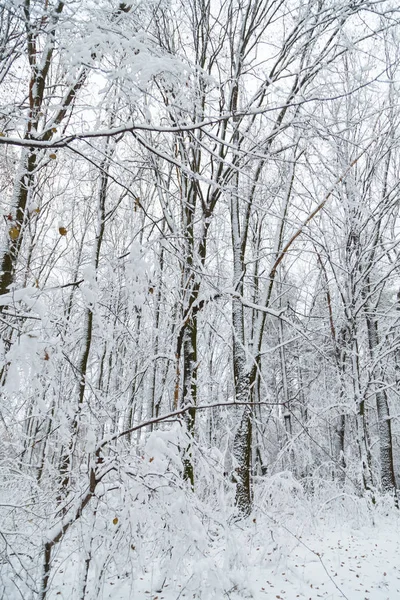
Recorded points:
(146, 530)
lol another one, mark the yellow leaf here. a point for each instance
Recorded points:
(54, 129)
(2, 134)
(115, 520)
(53, 156)
(62, 231)
(13, 232)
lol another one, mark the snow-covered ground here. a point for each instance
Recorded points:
(150, 537)
(358, 564)
(355, 560)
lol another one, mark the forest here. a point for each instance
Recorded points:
(199, 299)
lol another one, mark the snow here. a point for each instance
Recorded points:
(351, 565)
(262, 561)
(358, 564)
(151, 537)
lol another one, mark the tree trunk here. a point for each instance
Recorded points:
(388, 480)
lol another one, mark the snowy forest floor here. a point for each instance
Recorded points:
(358, 564)
(146, 535)
(337, 552)
(346, 562)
